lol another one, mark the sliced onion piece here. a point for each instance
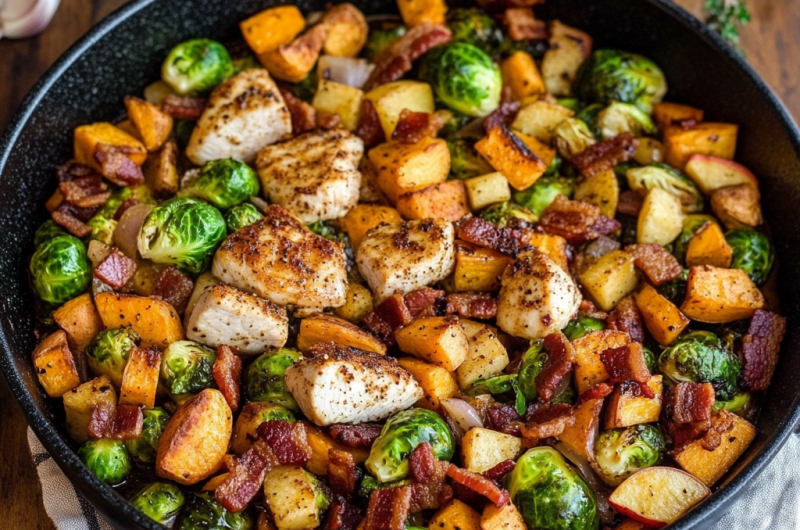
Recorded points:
(600, 488)
(127, 232)
(25, 18)
(462, 413)
(344, 70)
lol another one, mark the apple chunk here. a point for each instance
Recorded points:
(711, 172)
(657, 496)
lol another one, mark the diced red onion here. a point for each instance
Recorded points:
(344, 70)
(462, 413)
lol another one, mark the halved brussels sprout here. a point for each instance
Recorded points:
(643, 179)
(504, 214)
(539, 196)
(196, 66)
(328, 230)
(619, 118)
(752, 253)
(160, 501)
(143, 448)
(533, 361)
(650, 359)
(60, 268)
(102, 229)
(203, 512)
(622, 452)
(240, 216)
(473, 26)
(589, 115)
(573, 136)
(223, 183)
(108, 459)
(581, 326)
(465, 162)
(108, 352)
(738, 405)
(691, 224)
(48, 230)
(264, 381)
(186, 367)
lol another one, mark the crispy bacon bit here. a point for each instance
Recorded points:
(342, 515)
(116, 166)
(760, 348)
(328, 120)
(626, 317)
(428, 495)
(577, 221)
(116, 269)
(360, 435)
(549, 429)
(421, 462)
(414, 126)
(523, 25)
(388, 509)
(686, 433)
(369, 125)
(124, 207)
(391, 314)
(74, 170)
(100, 420)
(721, 423)
(245, 477)
(689, 402)
(632, 389)
(85, 192)
(509, 241)
(304, 116)
(500, 470)
(598, 391)
(502, 115)
(605, 155)
(658, 265)
(626, 363)
(227, 373)
(560, 357)
(472, 305)
(288, 441)
(398, 58)
(504, 418)
(81, 214)
(539, 412)
(342, 472)
(630, 203)
(74, 226)
(422, 302)
(184, 108)
(479, 484)
(174, 287)
(127, 424)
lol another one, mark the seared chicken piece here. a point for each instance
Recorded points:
(244, 114)
(227, 316)
(537, 297)
(346, 385)
(279, 259)
(406, 256)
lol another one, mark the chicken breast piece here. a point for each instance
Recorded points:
(227, 316)
(314, 175)
(347, 385)
(279, 259)
(402, 257)
(537, 297)
(243, 114)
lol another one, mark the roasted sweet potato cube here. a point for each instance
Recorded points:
(272, 28)
(456, 515)
(478, 268)
(161, 170)
(436, 382)
(482, 449)
(581, 435)
(358, 303)
(447, 200)
(292, 62)
(347, 31)
(156, 322)
(438, 340)
(320, 443)
(737, 206)
(403, 168)
(55, 365)
(360, 219)
(416, 12)
(714, 139)
(610, 279)
(720, 295)
(153, 125)
(589, 369)
(522, 76)
(80, 320)
(552, 246)
(662, 318)
(487, 357)
(88, 137)
(509, 154)
(323, 328)
(709, 247)
(140, 378)
(668, 114)
(82, 400)
(626, 409)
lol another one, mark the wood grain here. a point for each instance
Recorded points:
(772, 44)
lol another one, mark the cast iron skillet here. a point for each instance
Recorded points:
(122, 55)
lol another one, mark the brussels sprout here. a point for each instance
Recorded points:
(265, 382)
(533, 361)
(539, 196)
(60, 269)
(662, 176)
(612, 75)
(691, 224)
(401, 434)
(183, 232)
(48, 230)
(675, 290)
(649, 359)
(589, 116)
(240, 216)
(465, 162)
(183, 130)
(752, 253)
(367, 486)
(223, 183)
(463, 77)
(143, 448)
(618, 118)
(501, 384)
(321, 492)
(738, 405)
(622, 452)
(573, 104)
(160, 501)
(186, 367)
(108, 352)
(203, 512)
(107, 459)
(572, 137)
(550, 494)
(507, 213)
(474, 26)
(102, 229)
(701, 357)
(196, 66)
(581, 326)
(328, 231)
(381, 38)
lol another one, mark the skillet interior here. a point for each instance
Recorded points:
(123, 54)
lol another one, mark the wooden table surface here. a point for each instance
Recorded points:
(772, 43)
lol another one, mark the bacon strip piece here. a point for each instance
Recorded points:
(500, 470)
(509, 241)
(523, 25)
(388, 509)
(74, 226)
(690, 402)
(721, 422)
(577, 221)
(183, 107)
(598, 391)
(127, 424)
(421, 462)
(432, 493)
(342, 515)
(626, 317)
(361, 435)
(472, 305)
(504, 418)
(423, 302)
(100, 421)
(116, 270)
(175, 288)
(287, 441)
(760, 348)
(369, 126)
(245, 477)
(560, 357)
(81, 214)
(73, 170)
(116, 166)
(391, 314)
(398, 58)
(227, 374)
(304, 116)
(414, 126)
(85, 192)
(655, 262)
(342, 472)
(626, 363)
(630, 203)
(479, 484)
(605, 155)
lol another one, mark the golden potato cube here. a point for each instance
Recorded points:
(80, 320)
(709, 247)
(540, 119)
(403, 168)
(252, 415)
(482, 449)
(713, 139)
(320, 443)
(560, 64)
(336, 98)
(347, 30)
(602, 190)
(416, 12)
(153, 125)
(660, 219)
(323, 328)
(470, 327)
(292, 62)
(589, 369)
(509, 154)
(82, 400)
(487, 189)
(522, 76)
(436, 382)
(667, 114)
(611, 279)
(140, 378)
(291, 497)
(737, 206)
(648, 151)
(455, 515)
(358, 303)
(87, 137)
(581, 435)
(624, 410)
(272, 28)
(447, 200)
(720, 295)
(506, 517)
(478, 268)
(55, 365)
(161, 171)
(552, 246)
(156, 321)
(662, 318)
(487, 357)
(357, 222)
(438, 340)
(391, 99)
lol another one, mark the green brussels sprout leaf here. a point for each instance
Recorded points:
(160, 501)
(196, 66)
(622, 452)
(643, 179)
(108, 459)
(60, 269)
(143, 448)
(186, 367)
(108, 352)
(223, 183)
(264, 379)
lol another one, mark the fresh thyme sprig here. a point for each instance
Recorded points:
(727, 17)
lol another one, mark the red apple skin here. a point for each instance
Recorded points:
(730, 164)
(636, 517)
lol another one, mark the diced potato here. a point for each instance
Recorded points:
(272, 28)
(436, 382)
(87, 137)
(292, 62)
(80, 320)
(471, 328)
(196, 439)
(611, 279)
(709, 247)
(360, 219)
(438, 340)
(55, 365)
(336, 98)
(624, 410)
(347, 30)
(244, 430)
(203, 282)
(291, 497)
(416, 12)
(540, 119)
(589, 369)
(392, 98)
(720, 295)
(403, 168)
(447, 200)
(581, 435)
(648, 151)
(478, 268)
(710, 466)
(662, 318)
(602, 190)
(714, 139)
(156, 322)
(153, 125)
(161, 171)
(98, 252)
(482, 449)
(668, 114)
(552, 246)
(510, 154)
(455, 515)
(660, 219)
(82, 400)
(320, 443)
(737, 206)
(140, 378)
(506, 517)
(323, 328)
(487, 189)
(487, 357)
(561, 62)
(522, 76)
(358, 303)
(215, 482)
